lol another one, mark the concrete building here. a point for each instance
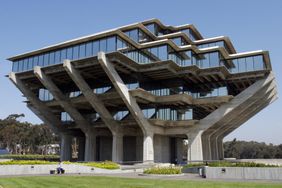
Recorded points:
(134, 93)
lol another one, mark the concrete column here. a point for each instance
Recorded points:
(81, 148)
(220, 149)
(90, 146)
(179, 150)
(148, 148)
(195, 150)
(206, 147)
(66, 151)
(117, 149)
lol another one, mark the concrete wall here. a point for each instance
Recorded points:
(250, 173)
(45, 169)
(129, 148)
(161, 149)
(105, 148)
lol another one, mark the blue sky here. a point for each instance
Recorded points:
(251, 25)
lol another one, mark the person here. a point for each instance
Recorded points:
(60, 169)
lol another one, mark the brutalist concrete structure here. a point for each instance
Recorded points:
(135, 93)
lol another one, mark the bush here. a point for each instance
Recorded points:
(163, 170)
(31, 157)
(106, 165)
(230, 164)
(27, 162)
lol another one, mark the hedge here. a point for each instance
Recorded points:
(230, 164)
(31, 157)
(106, 165)
(163, 170)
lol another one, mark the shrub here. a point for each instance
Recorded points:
(31, 157)
(106, 165)
(163, 170)
(230, 164)
(27, 162)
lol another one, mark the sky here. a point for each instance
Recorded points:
(251, 25)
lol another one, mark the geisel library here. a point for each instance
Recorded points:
(138, 92)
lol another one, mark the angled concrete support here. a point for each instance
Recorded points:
(136, 112)
(66, 151)
(37, 106)
(195, 150)
(99, 107)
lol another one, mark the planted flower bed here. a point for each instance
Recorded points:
(163, 170)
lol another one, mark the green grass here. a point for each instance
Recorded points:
(111, 182)
(31, 157)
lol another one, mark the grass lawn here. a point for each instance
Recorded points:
(112, 182)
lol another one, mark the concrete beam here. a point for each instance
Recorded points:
(37, 106)
(62, 100)
(136, 112)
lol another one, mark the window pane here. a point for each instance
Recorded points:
(46, 59)
(40, 63)
(69, 53)
(214, 59)
(82, 51)
(35, 60)
(75, 52)
(242, 64)
(250, 63)
(89, 49)
(258, 63)
(111, 44)
(162, 52)
(30, 63)
(15, 66)
(57, 56)
(95, 48)
(103, 45)
(52, 58)
(25, 64)
(63, 54)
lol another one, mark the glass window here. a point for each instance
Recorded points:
(162, 52)
(57, 56)
(35, 60)
(151, 27)
(15, 66)
(75, 52)
(46, 59)
(103, 45)
(25, 64)
(111, 44)
(82, 51)
(88, 49)
(30, 63)
(69, 53)
(52, 58)
(63, 54)
(95, 48)
(177, 41)
(242, 65)
(250, 63)
(214, 59)
(258, 63)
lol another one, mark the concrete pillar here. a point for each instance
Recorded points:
(117, 149)
(65, 150)
(220, 148)
(179, 150)
(206, 147)
(195, 149)
(90, 147)
(148, 148)
(81, 148)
